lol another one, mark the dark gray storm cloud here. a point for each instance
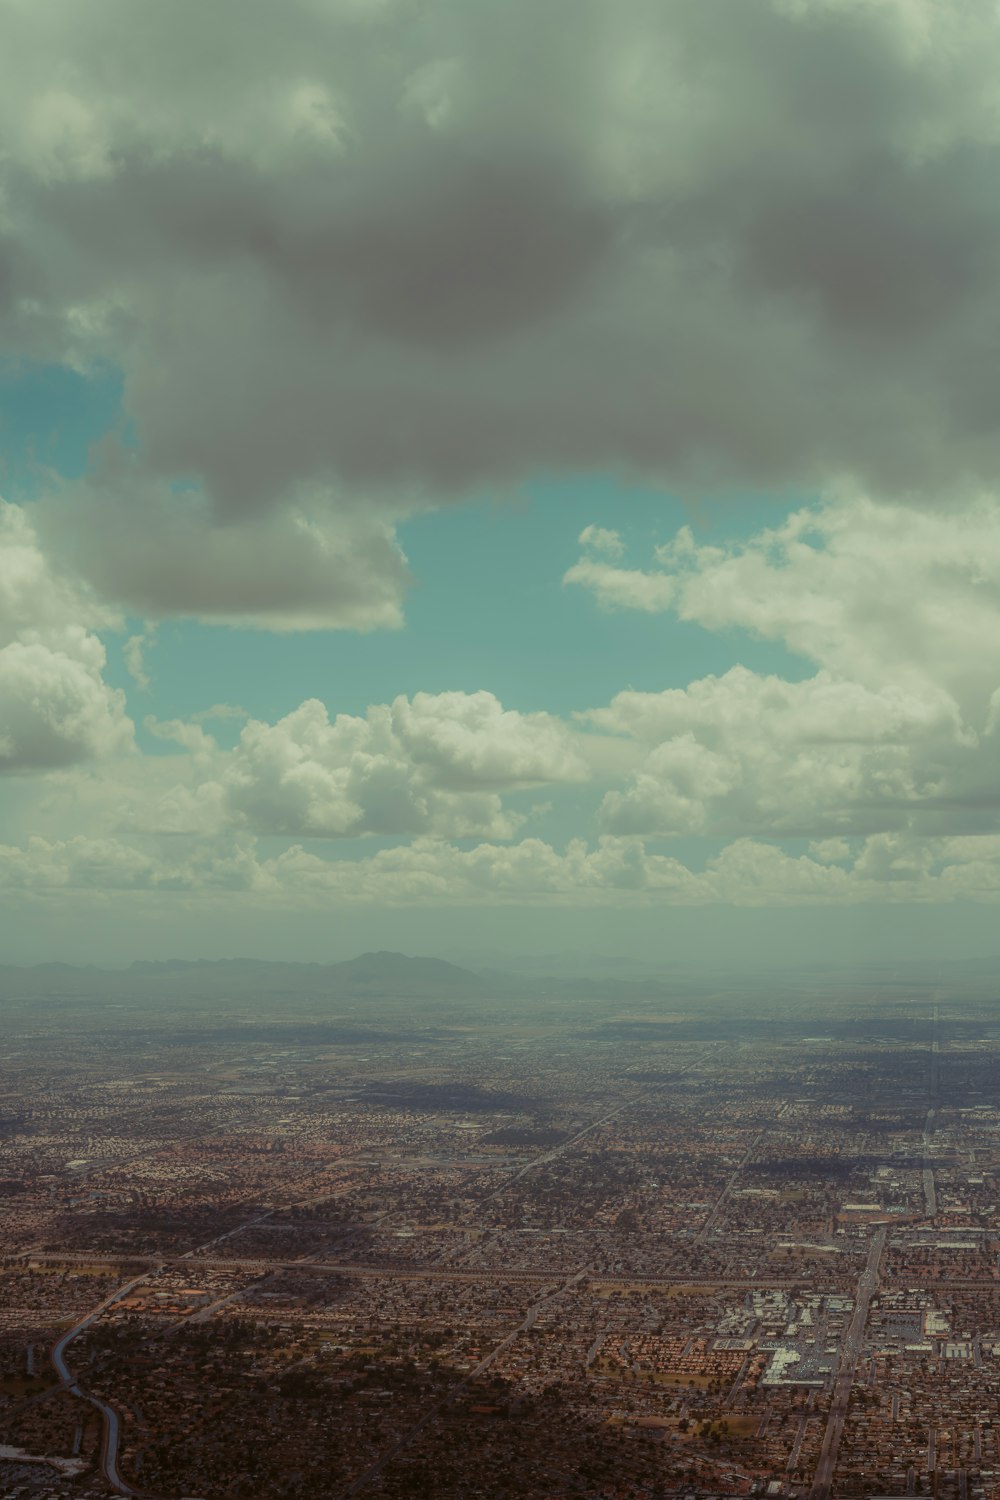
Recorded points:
(394, 250)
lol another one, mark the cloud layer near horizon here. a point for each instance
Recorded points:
(613, 872)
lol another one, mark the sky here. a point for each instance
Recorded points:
(500, 479)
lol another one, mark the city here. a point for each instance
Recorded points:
(435, 1247)
(499, 749)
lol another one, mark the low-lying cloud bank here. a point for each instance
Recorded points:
(613, 873)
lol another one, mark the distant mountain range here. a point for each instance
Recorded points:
(371, 974)
(385, 975)
(399, 976)
(380, 973)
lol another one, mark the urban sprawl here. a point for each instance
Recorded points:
(749, 1247)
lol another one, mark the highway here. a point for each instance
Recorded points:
(930, 1190)
(823, 1478)
(419, 1273)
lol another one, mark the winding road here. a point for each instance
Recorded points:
(111, 1433)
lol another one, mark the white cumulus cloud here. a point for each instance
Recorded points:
(436, 764)
(55, 706)
(899, 608)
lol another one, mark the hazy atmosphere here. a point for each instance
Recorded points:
(499, 749)
(500, 480)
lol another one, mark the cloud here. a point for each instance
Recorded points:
(614, 873)
(397, 256)
(384, 257)
(749, 753)
(871, 591)
(161, 551)
(55, 707)
(895, 732)
(600, 539)
(101, 865)
(900, 610)
(134, 652)
(437, 764)
(469, 740)
(34, 597)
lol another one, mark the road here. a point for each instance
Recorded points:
(930, 1190)
(732, 1180)
(793, 1457)
(823, 1478)
(111, 1429)
(425, 1273)
(612, 1114)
